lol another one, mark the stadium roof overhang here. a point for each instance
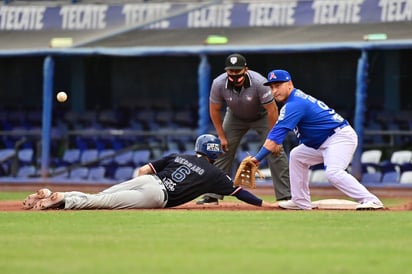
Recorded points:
(183, 41)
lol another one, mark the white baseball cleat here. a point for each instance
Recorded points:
(369, 206)
(32, 199)
(56, 200)
(289, 204)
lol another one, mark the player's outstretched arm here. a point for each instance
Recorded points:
(268, 147)
(250, 198)
(272, 205)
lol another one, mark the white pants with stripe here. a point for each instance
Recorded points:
(336, 153)
(144, 191)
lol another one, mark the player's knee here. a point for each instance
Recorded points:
(294, 154)
(334, 174)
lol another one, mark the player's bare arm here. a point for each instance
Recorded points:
(272, 205)
(216, 118)
(272, 110)
(268, 147)
(272, 146)
(252, 199)
(145, 170)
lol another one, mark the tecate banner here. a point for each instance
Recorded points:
(185, 16)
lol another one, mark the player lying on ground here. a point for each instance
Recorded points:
(325, 137)
(170, 181)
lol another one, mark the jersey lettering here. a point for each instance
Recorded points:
(190, 165)
(282, 114)
(322, 105)
(169, 184)
(180, 174)
(338, 118)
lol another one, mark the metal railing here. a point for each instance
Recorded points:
(391, 134)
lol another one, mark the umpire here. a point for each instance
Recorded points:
(249, 105)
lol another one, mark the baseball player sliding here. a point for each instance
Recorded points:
(170, 181)
(325, 137)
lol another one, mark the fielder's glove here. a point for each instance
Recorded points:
(246, 173)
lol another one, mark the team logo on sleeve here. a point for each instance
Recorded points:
(282, 113)
(267, 94)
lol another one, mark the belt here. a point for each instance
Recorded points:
(337, 129)
(345, 124)
(248, 120)
(166, 196)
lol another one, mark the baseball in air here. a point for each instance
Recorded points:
(61, 96)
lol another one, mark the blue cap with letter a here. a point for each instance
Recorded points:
(278, 75)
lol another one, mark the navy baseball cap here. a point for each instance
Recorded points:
(278, 75)
(235, 61)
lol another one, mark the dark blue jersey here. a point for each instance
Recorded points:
(186, 177)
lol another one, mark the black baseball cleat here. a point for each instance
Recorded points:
(208, 200)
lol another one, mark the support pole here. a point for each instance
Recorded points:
(204, 89)
(361, 87)
(48, 75)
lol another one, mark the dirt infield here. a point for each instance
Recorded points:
(10, 206)
(324, 191)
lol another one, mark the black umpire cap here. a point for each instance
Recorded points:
(235, 61)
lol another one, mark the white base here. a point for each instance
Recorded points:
(335, 204)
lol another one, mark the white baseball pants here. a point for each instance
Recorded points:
(336, 153)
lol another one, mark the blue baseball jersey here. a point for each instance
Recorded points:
(311, 119)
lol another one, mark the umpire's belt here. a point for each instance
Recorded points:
(166, 196)
(248, 120)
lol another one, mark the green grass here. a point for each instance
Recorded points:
(167, 241)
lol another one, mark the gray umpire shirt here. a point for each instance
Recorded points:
(246, 104)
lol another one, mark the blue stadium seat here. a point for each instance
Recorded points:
(60, 173)
(169, 151)
(26, 171)
(97, 174)
(106, 156)
(141, 157)
(6, 154)
(89, 156)
(71, 156)
(391, 177)
(374, 177)
(124, 158)
(25, 156)
(123, 173)
(80, 173)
